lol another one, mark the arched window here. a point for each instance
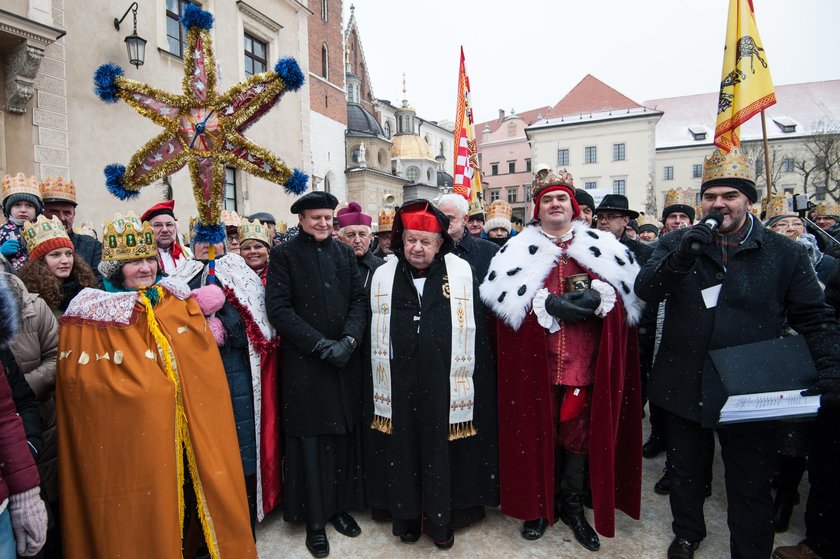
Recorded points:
(325, 60)
(325, 12)
(327, 183)
(387, 129)
(412, 174)
(429, 175)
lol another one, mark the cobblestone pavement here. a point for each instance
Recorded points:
(498, 535)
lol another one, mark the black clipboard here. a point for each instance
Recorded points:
(768, 366)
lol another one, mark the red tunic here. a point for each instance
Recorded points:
(526, 422)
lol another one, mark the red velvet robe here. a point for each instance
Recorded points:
(526, 469)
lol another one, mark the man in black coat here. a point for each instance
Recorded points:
(475, 250)
(316, 302)
(432, 396)
(723, 288)
(60, 201)
(354, 231)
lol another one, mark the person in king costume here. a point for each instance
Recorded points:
(142, 406)
(568, 371)
(432, 390)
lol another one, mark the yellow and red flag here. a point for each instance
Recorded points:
(467, 181)
(746, 87)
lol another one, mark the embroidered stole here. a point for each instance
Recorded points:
(459, 290)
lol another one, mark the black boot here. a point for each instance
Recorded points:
(790, 474)
(571, 502)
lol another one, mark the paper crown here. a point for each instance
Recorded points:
(733, 165)
(476, 207)
(499, 208)
(830, 209)
(58, 190)
(127, 238)
(231, 219)
(386, 220)
(20, 184)
(645, 219)
(680, 196)
(281, 228)
(45, 235)
(254, 231)
(777, 206)
(546, 177)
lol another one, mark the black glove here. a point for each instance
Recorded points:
(563, 308)
(828, 388)
(339, 353)
(322, 345)
(588, 298)
(684, 257)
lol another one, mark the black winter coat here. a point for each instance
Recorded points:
(768, 279)
(478, 252)
(647, 324)
(89, 249)
(313, 291)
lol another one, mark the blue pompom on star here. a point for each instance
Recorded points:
(196, 17)
(209, 233)
(105, 80)
(297, 183)
(114, 175)
(288, 69)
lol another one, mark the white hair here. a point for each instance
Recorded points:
(460, 202)
(342, 230)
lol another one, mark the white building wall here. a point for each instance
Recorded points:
(637, 135)
(328, 153)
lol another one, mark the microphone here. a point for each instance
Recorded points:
(712, 221)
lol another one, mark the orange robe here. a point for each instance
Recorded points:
(116, 418)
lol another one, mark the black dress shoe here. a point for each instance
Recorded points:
(653, 447)
(411, 533)
(534, 529)
(317, 543)
(583, 532)
(663, 486)
(682, 549)
(448, 542)
(345, 525)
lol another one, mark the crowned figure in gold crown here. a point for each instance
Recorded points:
(383, 234)
(567, 346)
(144, 414)
(21, 203)
(727, 283)
(498, 225)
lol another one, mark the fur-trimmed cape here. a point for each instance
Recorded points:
(519, 270)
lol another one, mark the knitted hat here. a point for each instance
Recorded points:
(498, 216)
(44, 236)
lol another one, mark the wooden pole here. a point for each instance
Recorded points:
(766, 156)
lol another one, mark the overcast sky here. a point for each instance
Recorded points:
(529, 53)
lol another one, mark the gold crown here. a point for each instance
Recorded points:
(680, 196)
(386, 220)
(231, 219)
(254, 230)
(499, 208)
(281, 228)
(829, 209)
(645, 219)
(546, 177)
(732, 165)
(127, 238)
(776, 206)
(42, 231)
(476, 207)
(20, 184)
(58, 189)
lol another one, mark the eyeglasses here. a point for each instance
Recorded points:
(609, 217)
(163, 225)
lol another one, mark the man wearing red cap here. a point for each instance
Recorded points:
(431, 398)
(354, 231)
(161, 217)
(568, 371)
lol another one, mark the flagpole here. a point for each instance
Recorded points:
(766, 154)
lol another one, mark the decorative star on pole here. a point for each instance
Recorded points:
(202, 129)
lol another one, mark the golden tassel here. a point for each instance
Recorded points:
(461, 430)
(382, 424)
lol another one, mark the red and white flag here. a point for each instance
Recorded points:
(467, 181)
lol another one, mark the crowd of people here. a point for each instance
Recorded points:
(449, 361)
